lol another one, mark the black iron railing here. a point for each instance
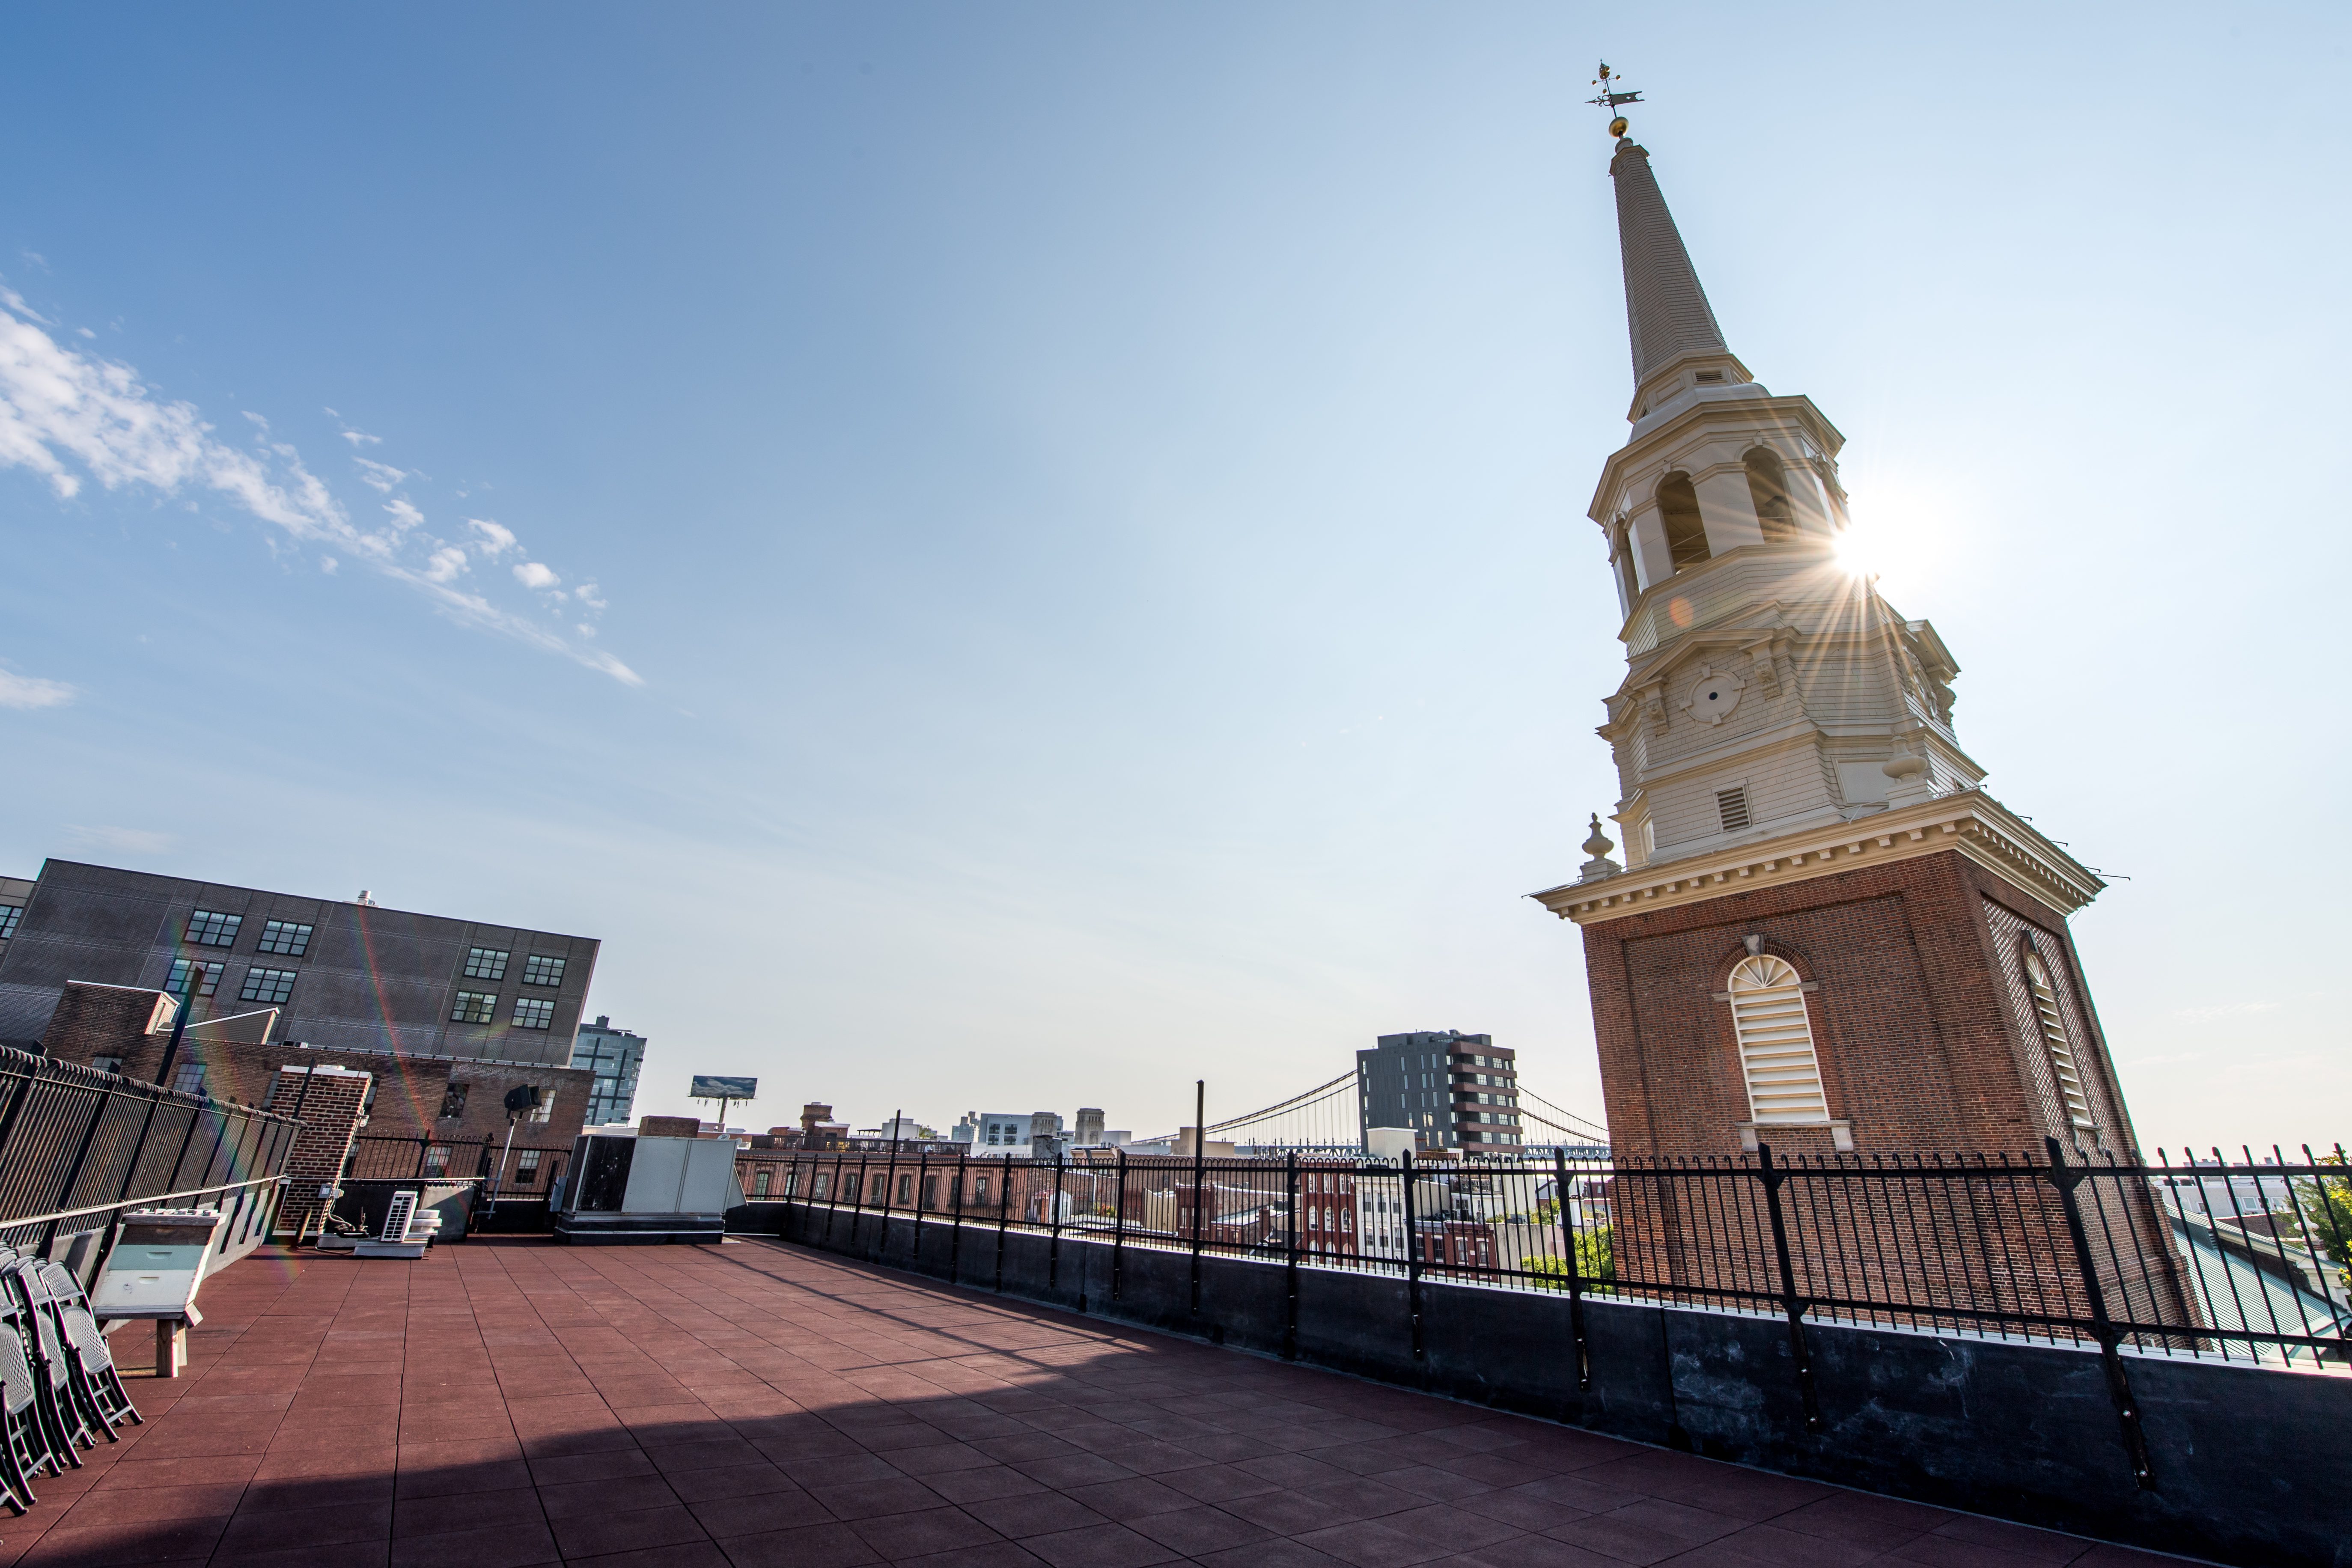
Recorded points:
(2243, 1259)
(520, 1176)
(79, 1147)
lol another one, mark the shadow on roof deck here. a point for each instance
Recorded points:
(509, 1401)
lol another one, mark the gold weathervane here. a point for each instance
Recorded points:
(1611, 101)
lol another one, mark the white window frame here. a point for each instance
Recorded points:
(1778, 1063)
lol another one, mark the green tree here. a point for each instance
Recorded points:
(2326, 1201)
(1596, 1258)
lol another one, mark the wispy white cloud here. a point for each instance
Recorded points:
(68, 416)
(379, 477)
(31, 691)
(589, 594)
(120, 840)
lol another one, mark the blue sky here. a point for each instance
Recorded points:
(1011, 557)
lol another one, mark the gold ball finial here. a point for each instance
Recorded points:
(1617, 126)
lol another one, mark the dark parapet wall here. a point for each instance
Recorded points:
(2019, 1431)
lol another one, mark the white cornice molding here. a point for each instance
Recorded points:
(1971, 822)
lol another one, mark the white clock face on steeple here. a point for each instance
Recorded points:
(1715, 695)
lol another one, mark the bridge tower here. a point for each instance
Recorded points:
(1824, 933)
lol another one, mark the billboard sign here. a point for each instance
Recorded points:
(709, 1087)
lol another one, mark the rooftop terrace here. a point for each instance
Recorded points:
(512, 1402)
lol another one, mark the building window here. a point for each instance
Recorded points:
(269, 986)
(817, 1187)
(485, 963)
(1776, 1043)
(9, 915)
(436, 1159)
(453, 1101)
(1767, 487)
(526, 1171)
(475, 1007)
(110, 1064)
(1731, 808)
(2055, 1037)
(540, 970)
(209, 928)
(188, 1077)
(286, 937)
(1685, 533)
(178, 984)
(759, 1179)
(980, 1189)
(543, 1107)
(906, 1190)
(533, 1012)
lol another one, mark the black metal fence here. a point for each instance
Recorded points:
(518, 1180)
(79, 1147)
(2242, 1259)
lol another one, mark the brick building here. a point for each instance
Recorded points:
(1826, 937)
(345, 975)
(437, 1100)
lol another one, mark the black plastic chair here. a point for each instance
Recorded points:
(94, 1383)
(61, 1415)
(23, 1447)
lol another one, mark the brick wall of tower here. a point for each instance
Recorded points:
(1916, 1024)
(1927, 1045)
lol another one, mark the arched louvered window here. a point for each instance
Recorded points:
(1768, 485)
(2057, 1040)
(1685, 533)
(1776, 1043)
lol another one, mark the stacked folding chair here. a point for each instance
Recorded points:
(96, 1386)
(24, 1438)
(61, 1415)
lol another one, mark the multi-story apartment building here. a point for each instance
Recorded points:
(342, 974)
(1454, 1090)
(613, 1056)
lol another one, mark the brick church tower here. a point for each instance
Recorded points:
(1826, 936)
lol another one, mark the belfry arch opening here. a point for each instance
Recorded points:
(1686, 532)
(1768, 485)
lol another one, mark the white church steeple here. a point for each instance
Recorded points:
(1768, 689)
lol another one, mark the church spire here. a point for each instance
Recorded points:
(1666, 312)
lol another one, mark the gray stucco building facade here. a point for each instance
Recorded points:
(342, 974)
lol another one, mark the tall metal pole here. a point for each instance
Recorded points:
(1290, 1254)
(1054, 1247)
(1119, 1228)
(1411, 1258)
(180, 1024)
(1199, 1150)
(1575, 1268)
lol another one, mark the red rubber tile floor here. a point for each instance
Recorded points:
(508, 1402)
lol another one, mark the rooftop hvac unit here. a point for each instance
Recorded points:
(626, 1187)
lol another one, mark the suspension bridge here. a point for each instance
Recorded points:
(1328, 1116)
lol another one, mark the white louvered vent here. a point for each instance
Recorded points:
(2061, 1049)
(1731, 806)
(1776, 1043)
